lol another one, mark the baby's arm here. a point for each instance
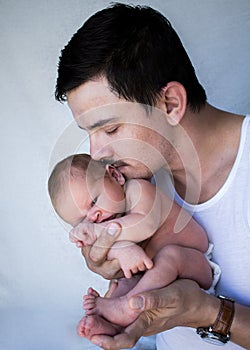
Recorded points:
(131, 257)
(142, 219)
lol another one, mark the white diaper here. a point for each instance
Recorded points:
(216, 269)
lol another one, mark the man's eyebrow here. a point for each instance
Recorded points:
(99, 123)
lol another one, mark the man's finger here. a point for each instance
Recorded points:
(166, 297)
(124, 340)
(102, 245)
(151, 300)
(85, 251)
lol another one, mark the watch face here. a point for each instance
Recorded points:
(212, 337)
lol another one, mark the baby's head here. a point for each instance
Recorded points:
(80, 187)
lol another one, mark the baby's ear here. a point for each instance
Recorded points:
(115, 173)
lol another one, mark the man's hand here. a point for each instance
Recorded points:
(182, 303)
(96, 255)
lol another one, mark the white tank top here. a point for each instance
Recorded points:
(226, 218)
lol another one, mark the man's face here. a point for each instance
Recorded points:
(120, 132)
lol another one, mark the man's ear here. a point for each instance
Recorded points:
(174, 97)
(115, 173)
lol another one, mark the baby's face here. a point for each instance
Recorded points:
(97, 200)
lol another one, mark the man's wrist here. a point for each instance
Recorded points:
(208, 310)
(218, 333)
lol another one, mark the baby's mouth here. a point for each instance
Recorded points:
(111, 217)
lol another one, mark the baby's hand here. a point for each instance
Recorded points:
(132, 258)
(83, 234)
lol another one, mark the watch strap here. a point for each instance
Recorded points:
(219, 332)
(225, 316)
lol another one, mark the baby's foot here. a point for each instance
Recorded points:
(115, 310)
(96, 325)
(81, 327)
(89, 298)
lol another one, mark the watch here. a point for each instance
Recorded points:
(219, 332)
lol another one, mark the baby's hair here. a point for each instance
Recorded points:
(74, 165)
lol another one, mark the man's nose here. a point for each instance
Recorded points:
(99, 149)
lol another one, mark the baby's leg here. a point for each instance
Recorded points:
(99, 325)
(170, 263)
(124, 285)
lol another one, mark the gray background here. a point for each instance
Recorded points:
(42, 274)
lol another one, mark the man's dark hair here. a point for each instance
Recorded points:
(136, 49)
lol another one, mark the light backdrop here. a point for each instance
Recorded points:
(42, 275)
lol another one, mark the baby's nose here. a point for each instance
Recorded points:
(94, 215)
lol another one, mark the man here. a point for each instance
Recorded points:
(125, 53)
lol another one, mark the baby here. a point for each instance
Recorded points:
(85, 193)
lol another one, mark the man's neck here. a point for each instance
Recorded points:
(207, 153)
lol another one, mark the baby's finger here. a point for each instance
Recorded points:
(148, 263)
(127, 273)
(142, 267)
(134, 270)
